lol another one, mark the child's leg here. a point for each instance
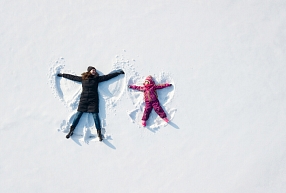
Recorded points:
(147, 111)
(158, 109)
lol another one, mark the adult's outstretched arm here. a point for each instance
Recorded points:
(109, 76)
(70, 77)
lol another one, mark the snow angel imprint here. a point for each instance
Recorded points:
(151, 98)
(89, 97)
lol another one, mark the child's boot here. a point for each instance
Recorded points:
(144, 123)
(166, 119)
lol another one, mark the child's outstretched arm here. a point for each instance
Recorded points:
(140, 88)
(160, 86)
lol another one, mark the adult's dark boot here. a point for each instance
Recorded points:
(71, 132)
(99, 134)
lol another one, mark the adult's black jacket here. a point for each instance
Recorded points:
(89, 96)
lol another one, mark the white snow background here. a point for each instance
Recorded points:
(226, 60)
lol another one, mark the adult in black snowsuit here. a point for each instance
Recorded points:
(89, 97)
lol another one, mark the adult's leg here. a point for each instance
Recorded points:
(76, 118)
(74, 123)
(97, 125)
(96, 120)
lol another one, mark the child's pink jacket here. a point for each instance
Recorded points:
(150, 90)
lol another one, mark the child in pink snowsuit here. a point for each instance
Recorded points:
(151, 99)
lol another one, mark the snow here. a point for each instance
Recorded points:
(225, 59)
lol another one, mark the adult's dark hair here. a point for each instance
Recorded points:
(86, 75)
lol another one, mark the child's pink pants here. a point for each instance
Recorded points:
(149, 105)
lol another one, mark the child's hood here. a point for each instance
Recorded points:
(150, 80)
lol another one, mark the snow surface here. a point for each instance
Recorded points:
(226, 60)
